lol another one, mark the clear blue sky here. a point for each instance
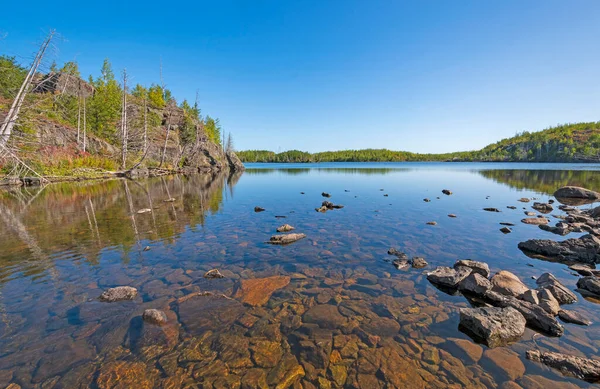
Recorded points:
(423, 76)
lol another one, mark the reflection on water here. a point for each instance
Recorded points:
(327, 311)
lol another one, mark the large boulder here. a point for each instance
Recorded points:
(448, 277)
(536, 316)
(476, 266)
(589, 284)
(585, 249)
(562, 294)
(569, 365)
(492, 326)
(575, 192)
(507, 283)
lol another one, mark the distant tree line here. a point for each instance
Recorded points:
(579, 142)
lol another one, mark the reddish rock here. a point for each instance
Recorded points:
(257, 291)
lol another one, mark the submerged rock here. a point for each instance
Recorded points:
(492, 326)
(507, 283)
(286, 239)
(119, 293)
(569, 365)
(536, 316)
(285, 228)
(574, 317)
(432, 223)
(213, 273)
(476, 266)
(448, 277)
(397, 253)
(154, 316)
(524, 200)
(585, 249)
(257, 291)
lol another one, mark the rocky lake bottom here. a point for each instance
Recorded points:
(216, 305)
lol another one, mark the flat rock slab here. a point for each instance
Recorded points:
(286, 238)
(476, 266)
(574, 317)
(572, 366)
(448, 277)
(535, 220)
(257, 291)
(120, 293)
(492, 326)
(585, 249)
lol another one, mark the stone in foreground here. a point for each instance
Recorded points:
(155, 316)
(257, 291)
(286, 239)
(119, 293)
(492, 326)
(571, 366)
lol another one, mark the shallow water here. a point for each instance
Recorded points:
(340, 314)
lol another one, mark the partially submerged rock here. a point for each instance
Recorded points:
(535, 220)
(585, 249)
(524, 200)
(325, 194)
(258, 209)
(505, 230)
(286, 238)
(418, 262)
(327, 205)
(285, 228)
(475, 284)
(507, 283)
(492, 326)
(432, 223)
(476, 266)
(491, 209)
(542, 207)
(590, 284)
(154, 316)
(569, 365)
(213, 273)
(575, 192)
(119, 293)
(574, 317)
(446, 192)
(448, 277)
(548, 282)
(536, 317)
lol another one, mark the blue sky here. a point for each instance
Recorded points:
(422, 76)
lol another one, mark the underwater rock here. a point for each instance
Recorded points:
(257, 291)
(118, 293)
(154, 316)
(213, 273)
(286, 238)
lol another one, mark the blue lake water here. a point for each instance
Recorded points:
(327, 311)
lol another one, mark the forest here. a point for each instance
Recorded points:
(578, 142)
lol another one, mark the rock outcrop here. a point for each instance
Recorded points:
(571, 366)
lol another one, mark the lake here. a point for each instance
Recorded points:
(327, 311)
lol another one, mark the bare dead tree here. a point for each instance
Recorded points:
(13, 113)
(124, 123)
(78, 115)
(162, 158)
(84, 125)
(145, 123)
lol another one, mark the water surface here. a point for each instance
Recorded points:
(346, 318)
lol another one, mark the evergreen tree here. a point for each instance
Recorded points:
(105, 105)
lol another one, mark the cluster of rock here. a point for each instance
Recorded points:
(327, 206)
(505, 296)
(402, 261)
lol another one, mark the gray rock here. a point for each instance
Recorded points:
(285, 228)
(398, 253)
(505, 230)
(419, 262)
(507, 283)
(558, 290)
(491, 209)
(590, 284)
(574, 317)
(536, 316)
(535, 220)
(476, 266)
(542, 207)
(531, 296)
(493, 326)
(561, 230)
(475, 284)
(448, 277)
(119, 293)
(569, 365)
(286, 239)
(575, 192)
(548, 302)
(585, 249)
(154, 316)
(584, 270)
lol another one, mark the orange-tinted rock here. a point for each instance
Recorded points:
(505, 361)
(258, 291)
(121, 374)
